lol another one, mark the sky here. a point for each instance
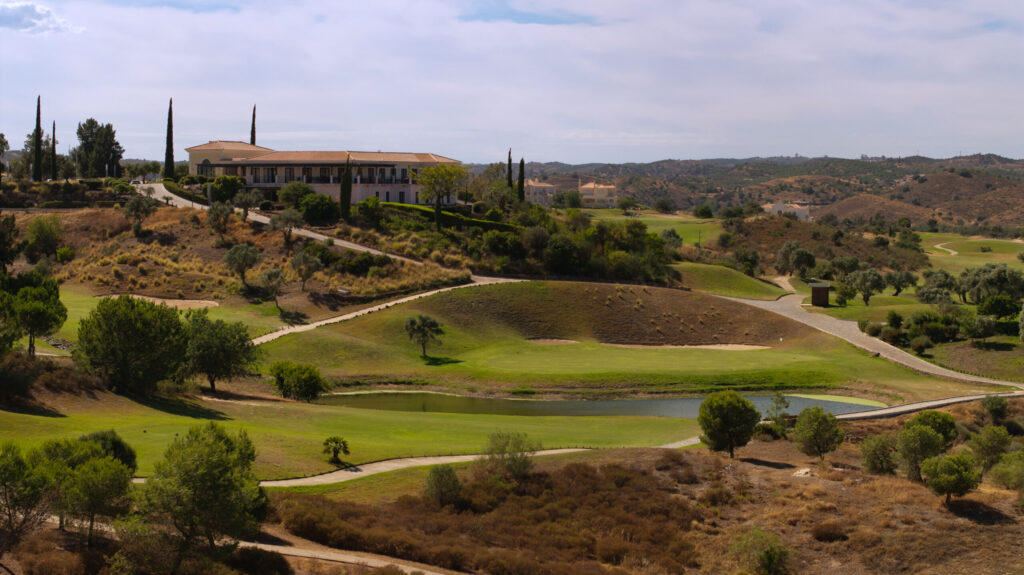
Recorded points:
(575, 81)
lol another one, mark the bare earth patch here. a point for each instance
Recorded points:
(174, 303)
(723, 346)
(552, 341)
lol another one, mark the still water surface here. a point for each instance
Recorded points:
(684, 407)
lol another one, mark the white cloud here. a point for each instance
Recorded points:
(638, 81)
(32, 18)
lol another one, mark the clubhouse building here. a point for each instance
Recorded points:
(387, 176)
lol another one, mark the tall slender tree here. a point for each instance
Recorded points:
(169, 151)
(53, 151)
(252, 129)
(346, 191)
(508, 173)
(521, 183)
(37, 145)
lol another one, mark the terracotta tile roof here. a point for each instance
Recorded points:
(226, 145)
(340, 157)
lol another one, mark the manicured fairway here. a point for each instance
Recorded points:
(969, 252)
(690, 229)
(288, 435)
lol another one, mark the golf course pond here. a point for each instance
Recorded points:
(682, 407)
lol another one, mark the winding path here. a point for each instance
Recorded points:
(943, 247)
(791, 306)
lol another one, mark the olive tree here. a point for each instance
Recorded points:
(240, 259)
(284, 222)
(305, 264)
(727, 420)
(439, 182)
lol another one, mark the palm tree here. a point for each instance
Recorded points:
(423, 329)
(335, 445)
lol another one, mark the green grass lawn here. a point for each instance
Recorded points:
(288, 435)
(482, 353)
(692, 230)
(970, 254)
(999, 356)
(877, 309)
(720, 280)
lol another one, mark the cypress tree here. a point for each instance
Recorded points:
(522, 180)
(346, 191)
(169, 151)
(37, 146)
(53, 152)
(509, 171)
(252, 129)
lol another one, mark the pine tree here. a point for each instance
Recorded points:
(509, 171)
(53, 152)
(37, 146)
(252, 129)
(522, 181)
(346, 191)
(169, 152)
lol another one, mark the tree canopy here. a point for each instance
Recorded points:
(727, 420)
(423, 329)
(217, 349)
(440, 182)
(817, 432)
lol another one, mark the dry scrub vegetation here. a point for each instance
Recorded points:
(654, 511)
(181, 257)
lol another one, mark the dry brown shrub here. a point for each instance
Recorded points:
(40, 555)
(829, 531)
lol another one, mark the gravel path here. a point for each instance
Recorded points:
(943, 247)
(791, 306)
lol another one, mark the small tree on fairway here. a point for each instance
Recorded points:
(423, 329)
(443, 486)
(285, 222)
(728, 421)
(989, 445)
(204, 489)
(240, 259)
(950, 475)
(335, 445)
(39, 311)
(915, 444)
(305, 264)
(878, 454)
(817, 432)
(271, 281)
(217, 349)
(131, 343)
(626, 203)
(868, 282)
(246, 200)
(218, 216)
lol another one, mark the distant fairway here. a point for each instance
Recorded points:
(720, 280)
(969, 252)
(689, 228)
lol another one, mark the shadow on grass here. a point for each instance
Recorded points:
(993, 346)
(30, 408)
(978, 512)
(184, 408)
(330, 301)
(293, 317)
(431, 360)
(763, 463)
(162, 238)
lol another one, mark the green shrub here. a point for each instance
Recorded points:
(762, 551)
(443, 486)
(65, 254)
(878, 454)
(297, 381)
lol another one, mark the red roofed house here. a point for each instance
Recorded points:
(385, 175)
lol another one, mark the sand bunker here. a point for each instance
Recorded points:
(174, 303)
(723, 346)
(545, 341)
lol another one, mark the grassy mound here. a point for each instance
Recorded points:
(721, 280)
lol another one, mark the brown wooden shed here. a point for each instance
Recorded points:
(819, 294)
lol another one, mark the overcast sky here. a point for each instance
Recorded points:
(556, 80)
